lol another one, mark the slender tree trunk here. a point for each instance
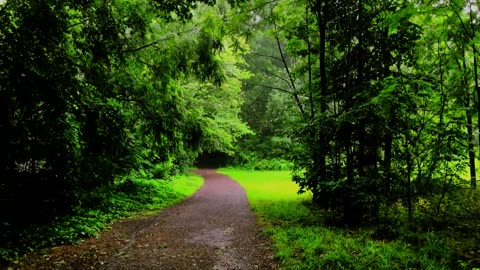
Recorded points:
(362, 160)
(292, 81)
(409, 177)
(471, 146)
(350, 216)
(477, 89)
(388, 137)
(468, 110)
(409, 191)
(319, 8)
(387, 161)
(323, 80)
(309, 48)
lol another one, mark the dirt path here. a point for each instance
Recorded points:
(214, 229)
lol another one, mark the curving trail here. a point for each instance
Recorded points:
(213, 229)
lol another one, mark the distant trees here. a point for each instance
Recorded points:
(267, 109)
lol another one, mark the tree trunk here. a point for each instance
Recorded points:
(387, 164)
(477, 88)
(321, 5)
(469, 116)
(471, 146)
(408, 185)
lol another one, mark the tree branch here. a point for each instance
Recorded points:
(273, 74)
(261, 85)
(269, 87)
(171, 35)
(295, 95)
(255, 8)
(268, 56)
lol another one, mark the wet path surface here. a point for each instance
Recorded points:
(213, 229)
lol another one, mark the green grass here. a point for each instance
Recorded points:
(272, 195)
(302, 241)
(258, 185)
(131, 198)
(186, 185)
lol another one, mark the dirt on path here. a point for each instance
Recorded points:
(213, 229)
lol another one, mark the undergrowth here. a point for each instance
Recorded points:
(255, 162)
(303, 239)
(96, 212)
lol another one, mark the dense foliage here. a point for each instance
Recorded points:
(97, 94)
(378, 98)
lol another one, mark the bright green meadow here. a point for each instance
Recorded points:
(302, 241)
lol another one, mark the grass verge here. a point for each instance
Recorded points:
(302, 241)
(98, 210)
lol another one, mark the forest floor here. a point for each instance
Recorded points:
(213, 229)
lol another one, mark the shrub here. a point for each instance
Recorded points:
(252, 161)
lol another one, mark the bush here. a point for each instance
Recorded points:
(316, 247)
(253, 162)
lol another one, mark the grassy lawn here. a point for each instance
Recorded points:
(302, 241)
(258, 185)
(272, 195)
(186, 184)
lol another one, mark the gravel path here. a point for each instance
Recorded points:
(213, 229)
